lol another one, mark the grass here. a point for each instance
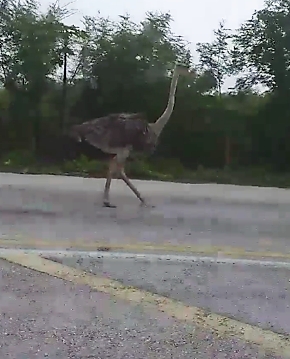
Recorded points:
(163, 170)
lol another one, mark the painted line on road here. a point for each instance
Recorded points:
(133, 245)
(221, 325)
(150, 257)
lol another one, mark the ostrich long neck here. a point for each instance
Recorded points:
(163, 119)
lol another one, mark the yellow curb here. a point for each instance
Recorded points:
(132, 245)
(222, 326)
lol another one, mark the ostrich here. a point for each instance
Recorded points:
(120, 134)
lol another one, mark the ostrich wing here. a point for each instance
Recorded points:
(115, 131)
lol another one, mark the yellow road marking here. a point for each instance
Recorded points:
(132, 245)
(222, 326)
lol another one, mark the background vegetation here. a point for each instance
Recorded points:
(53, 75)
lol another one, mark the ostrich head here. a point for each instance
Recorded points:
(183, 70)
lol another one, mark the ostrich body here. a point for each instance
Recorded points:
(120, 134)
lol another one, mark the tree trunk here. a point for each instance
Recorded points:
(63, 110)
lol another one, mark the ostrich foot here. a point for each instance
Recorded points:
(146, 205)
(108, 205)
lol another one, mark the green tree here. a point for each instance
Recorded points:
(263, 48)
(263, 54)
(32, 53)
(215, 58)
(125, 61)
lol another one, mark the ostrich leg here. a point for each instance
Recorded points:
(112, 169)
(130, 185)
(120, 161)
(117, 165)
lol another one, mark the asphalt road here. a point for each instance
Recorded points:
(55, 208)
(60, 208)
(44, 317)
(253, 294)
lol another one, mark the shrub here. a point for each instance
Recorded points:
(18, 158)
(84, 165)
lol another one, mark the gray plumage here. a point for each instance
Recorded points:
(117, 131)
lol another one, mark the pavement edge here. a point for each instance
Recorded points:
(221, 325)
(133, 246)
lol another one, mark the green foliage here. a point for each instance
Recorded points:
(161, 169)
(172, 166)
(263, 48)
(17, 159)
(215, 57)
(84, 165)
(143, 170)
